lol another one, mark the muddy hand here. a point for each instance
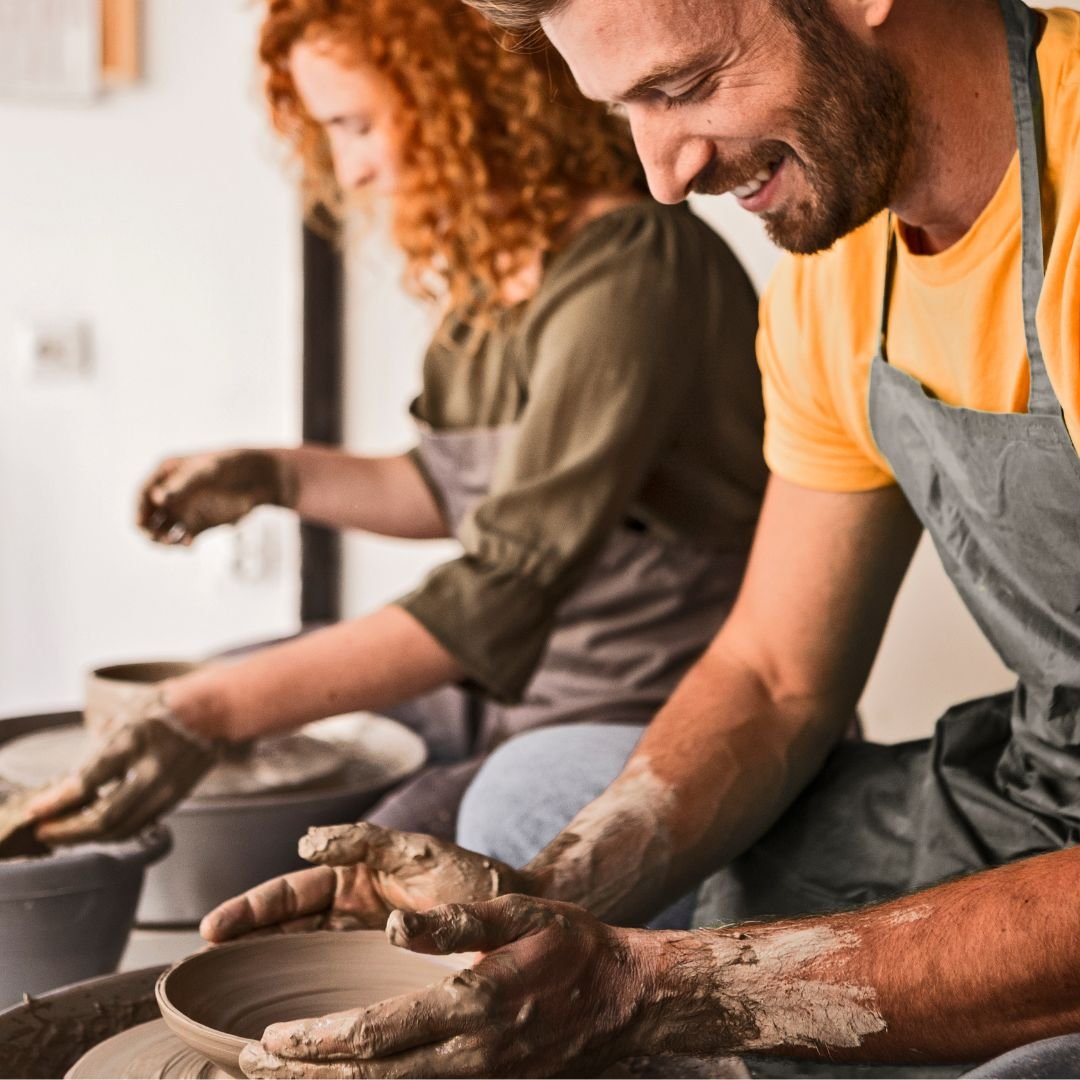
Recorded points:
(365, 872)
(16, 825)
(185, 496)
(556, 991)
(140, 771)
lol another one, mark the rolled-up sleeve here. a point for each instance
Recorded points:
(608, 363)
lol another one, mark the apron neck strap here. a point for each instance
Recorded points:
(1021, 32)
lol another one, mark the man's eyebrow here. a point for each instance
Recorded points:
(668, 72)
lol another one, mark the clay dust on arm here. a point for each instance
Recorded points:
(754, 719)
(957, 973)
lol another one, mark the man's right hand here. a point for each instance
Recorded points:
(364, 873)
(184, 496)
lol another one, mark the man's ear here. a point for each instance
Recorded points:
(873, 13)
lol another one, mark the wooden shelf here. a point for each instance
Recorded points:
(120, 41)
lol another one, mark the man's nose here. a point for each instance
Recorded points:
(672, 157)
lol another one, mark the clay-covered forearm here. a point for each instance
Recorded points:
(385, 495)
(754, 719)
(367, 663)
(711, 773)
(960, 972)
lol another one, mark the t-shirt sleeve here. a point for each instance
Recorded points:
(810, 426)
(606, 373)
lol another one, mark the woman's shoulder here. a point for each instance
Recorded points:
(642, 229)
(646, 253)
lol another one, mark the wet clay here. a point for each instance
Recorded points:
(766, 988)
(411, 870)
(598, 859)
(149, 1051)
(219, 1000)
(117, 693)
(790, 1009)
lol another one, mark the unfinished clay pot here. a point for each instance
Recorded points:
(118, 691)
(217, 1001)
(66, 916)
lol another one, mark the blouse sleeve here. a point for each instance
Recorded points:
(610, 348)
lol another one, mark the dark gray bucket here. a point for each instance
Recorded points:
(66, 916)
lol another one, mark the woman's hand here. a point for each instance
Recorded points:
(184, 496)
(365, 872)
(142, 769)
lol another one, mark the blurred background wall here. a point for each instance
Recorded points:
(160, 218)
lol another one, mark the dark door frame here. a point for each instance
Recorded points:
(322, 394)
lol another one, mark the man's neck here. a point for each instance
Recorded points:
(964, 136)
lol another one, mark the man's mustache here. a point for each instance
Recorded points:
(720, 176)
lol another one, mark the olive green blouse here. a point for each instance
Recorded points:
(631, 375)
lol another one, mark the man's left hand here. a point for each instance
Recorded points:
(554, 991)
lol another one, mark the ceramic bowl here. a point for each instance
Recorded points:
(118, 690)
(218, 1000)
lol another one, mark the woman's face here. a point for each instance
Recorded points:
(355, 106)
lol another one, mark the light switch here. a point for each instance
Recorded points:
(56, 349)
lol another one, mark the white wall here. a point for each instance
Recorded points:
(160, 216)
(386, 332)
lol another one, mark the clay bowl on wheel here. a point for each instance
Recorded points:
(119, 691)
(218, 1000)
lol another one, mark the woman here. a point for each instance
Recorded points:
(590, 424)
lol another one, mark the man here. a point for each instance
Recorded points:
(923, 348)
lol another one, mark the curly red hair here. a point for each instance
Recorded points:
(503, 139)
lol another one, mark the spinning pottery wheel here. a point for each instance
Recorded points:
(241, 825)
(148, 1051)
(214, 1002)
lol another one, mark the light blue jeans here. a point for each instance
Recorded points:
(532, 785)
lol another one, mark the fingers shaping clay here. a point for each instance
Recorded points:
(217, 1001)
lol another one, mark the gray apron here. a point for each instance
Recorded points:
(1000, 496)
(623, 638)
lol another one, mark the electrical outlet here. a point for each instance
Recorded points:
(57, 349)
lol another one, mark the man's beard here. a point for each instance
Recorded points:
(852, 113)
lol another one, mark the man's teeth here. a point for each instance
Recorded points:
(752, 187)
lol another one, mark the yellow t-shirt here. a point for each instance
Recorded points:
(956, 320)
